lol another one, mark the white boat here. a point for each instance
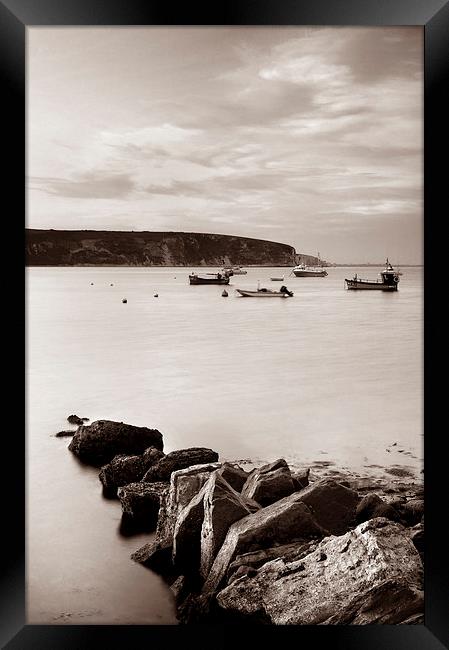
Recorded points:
(265, 293)
(304, 271)
(234, 270)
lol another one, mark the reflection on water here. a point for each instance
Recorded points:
(328, 373)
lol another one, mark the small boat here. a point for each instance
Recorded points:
(266, 293)
(209, 278)
(234, 270)
(388, 281)
(303, 271)
(277, 279)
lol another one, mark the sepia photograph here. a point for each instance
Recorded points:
(192, 456)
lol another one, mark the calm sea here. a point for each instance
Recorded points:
(328, 375)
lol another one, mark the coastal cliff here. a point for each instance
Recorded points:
(127, 248)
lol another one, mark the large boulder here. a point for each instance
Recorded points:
(256, 559)
(179, 459)
(284, 521)
(413, 510)
(184, 485)
(372, 506)
(100, 441)
(202, 526)
(140, 504)
(333, 505)
(371, 575)
(127, 469)
(269, 483)
(234, 475)
(157, 556)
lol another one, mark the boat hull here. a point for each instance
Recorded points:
(262, 294)
(194, 279)
(376, 286)
(310, 274)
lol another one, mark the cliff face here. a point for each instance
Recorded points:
(111, 248)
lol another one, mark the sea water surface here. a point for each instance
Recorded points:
(329, 375)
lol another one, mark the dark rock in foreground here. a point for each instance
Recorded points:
(372, 506)
(333, 505)
(100, 441)
(269, 483)
(180, 459)
(127, 469)
(141, 502)
(373, 574)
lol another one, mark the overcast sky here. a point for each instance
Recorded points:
(308, 136)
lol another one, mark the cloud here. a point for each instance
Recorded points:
(89, 185)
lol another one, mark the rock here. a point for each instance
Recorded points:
(370, 575)
(256, 559)
(417, 537)
(372, 506)
(100, 441)
(333, 505)
(157, 556)
(234, 475)
(301, 479)
(413, 510)
(179, 589)
(140, 503)
(62, 434)
(184, 485)
(284, 521)
(269, 483)
(202, 526)
(120, 471)
(242, 570)
(180, 459)
(74, 419)
(127, 469)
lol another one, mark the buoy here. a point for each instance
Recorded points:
(156, 295)
(91, 283)
(124, 300)
(224, 293)
(111, 284)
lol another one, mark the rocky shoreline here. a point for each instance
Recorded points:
(264, 542)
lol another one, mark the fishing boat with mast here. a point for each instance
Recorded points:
(209, 278)
(389, 280)
(265, 293)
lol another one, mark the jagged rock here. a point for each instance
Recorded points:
(417, 537)
(202, 526)
(122, 470)
(100, 441)
(127, 469)
(269, 483)
(179, 589)
(374, 572)
(413, 510)
(74, 419)
(372, 506)
(179, 459)
(184, 485)
(283, 521)
(62, 434)
(333, 505)
(256, 559)
(156, 555)
(234, 475)
(140, 503)
(301, 479)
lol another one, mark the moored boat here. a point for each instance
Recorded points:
(208, 278)
(304, 271)
(277, 279)
(265, 293)
(234, 270)
(388, 281)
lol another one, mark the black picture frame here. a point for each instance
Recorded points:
(433, 16)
